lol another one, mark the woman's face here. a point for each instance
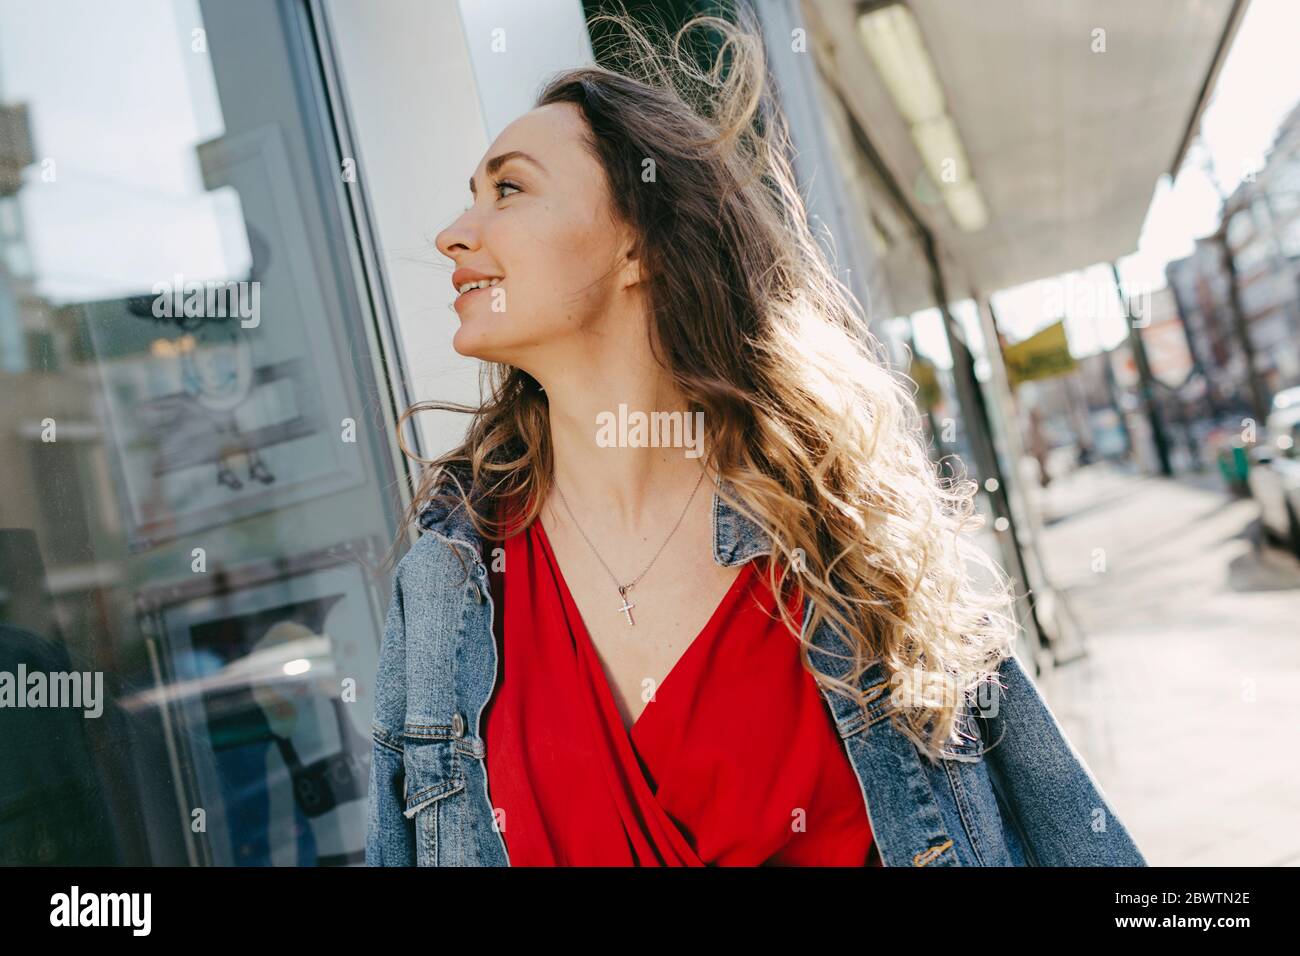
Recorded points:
(541, 223)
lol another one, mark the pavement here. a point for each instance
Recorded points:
(1184, 704)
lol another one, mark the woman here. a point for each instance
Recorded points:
(752, 637)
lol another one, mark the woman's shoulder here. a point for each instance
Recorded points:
(434, 553)
(433, 560)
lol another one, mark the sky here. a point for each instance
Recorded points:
(117, 104)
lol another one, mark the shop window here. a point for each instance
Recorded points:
(197, 487)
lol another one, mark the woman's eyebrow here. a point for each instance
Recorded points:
(496, 162)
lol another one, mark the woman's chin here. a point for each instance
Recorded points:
(473, 341)
(466, 344)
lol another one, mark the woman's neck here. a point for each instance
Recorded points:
(612, 475)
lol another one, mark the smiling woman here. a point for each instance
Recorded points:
(637, 240)
(539, 228)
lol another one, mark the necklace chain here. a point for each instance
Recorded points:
(624, 588)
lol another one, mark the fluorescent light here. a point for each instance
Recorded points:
(966, 205)
(893, 40)
(939, 145)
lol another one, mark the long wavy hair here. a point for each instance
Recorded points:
(804, 416)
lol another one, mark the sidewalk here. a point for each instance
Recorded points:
(1184, 706)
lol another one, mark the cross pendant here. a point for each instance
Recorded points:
(626, 608)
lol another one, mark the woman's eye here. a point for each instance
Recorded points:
(505, 184)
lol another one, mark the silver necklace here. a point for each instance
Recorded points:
(626, 609)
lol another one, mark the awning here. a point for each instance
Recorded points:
(1065, 129)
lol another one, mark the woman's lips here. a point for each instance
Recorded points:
(464, 296)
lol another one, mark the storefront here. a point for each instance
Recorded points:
(197, 500)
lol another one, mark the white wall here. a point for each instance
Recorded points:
(515, 45)
(428, 86)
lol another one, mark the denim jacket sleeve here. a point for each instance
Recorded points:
(1058, 807)
(390, 835)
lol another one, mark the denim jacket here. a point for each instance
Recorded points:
(1016, 794)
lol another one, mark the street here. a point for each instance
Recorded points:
(1184, 705)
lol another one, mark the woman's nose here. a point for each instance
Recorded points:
(460, 236)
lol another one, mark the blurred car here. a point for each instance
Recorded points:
(1274, 475)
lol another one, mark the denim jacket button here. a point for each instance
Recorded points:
(457, 725)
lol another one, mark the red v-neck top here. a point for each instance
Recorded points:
(735, 762)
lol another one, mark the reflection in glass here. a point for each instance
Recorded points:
(193, 459)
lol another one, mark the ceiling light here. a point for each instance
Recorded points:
(893, 40)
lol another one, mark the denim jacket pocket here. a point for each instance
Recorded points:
(432, 773)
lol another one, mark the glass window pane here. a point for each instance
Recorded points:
(196, 469)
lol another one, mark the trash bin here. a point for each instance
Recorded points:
(1234, 465)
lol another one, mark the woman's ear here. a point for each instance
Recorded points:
(633, 266)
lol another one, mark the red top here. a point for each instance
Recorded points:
(735, 762)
